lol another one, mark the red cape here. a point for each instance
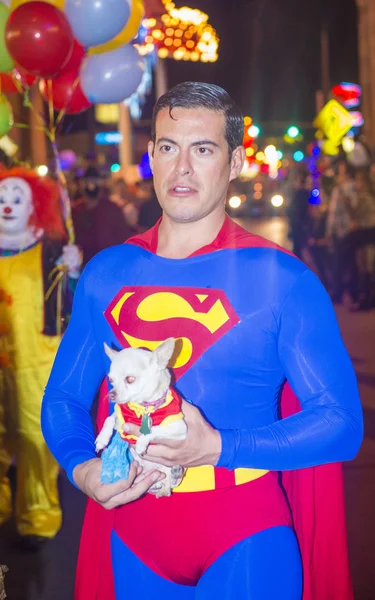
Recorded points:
(315, 495)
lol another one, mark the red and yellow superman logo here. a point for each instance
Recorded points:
(143, 317)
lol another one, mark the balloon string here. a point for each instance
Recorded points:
(50, 105)
(62, 112)
(24, 126)
(63, 187)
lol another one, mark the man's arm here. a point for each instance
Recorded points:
(320, 372)
(66, 421)
(76, 375)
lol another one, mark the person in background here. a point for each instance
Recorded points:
(98, 222)
(343, 197)
(150, 211)
(298, 213)
(318, 243)
(34, 312)
(360, 239)
(123, 198)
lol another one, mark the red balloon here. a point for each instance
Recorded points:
(63, 94)
(7, 81)
(76, 58)
(39, 38)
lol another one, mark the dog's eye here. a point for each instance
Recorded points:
(130, 379)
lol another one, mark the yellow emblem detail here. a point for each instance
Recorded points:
(165, 305)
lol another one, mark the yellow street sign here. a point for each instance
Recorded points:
(334, 121)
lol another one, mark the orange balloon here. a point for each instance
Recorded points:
(127, 34)
(58, 3)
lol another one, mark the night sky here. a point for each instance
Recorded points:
(270, 53)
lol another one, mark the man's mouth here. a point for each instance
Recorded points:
(182, 190)
(8, 218)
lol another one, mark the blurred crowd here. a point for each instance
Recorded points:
(334, 232)
(108, 212)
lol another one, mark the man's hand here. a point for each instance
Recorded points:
(201, 447)
(87, 477)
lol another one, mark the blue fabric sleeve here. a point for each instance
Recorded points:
(77, 373)
(319, 370)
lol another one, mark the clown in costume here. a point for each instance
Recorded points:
(34, 308)
(248, 317)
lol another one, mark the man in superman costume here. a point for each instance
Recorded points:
(248, 317)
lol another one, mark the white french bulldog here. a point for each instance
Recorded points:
(141, 379)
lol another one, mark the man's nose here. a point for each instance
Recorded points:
(184, 166)
(7, 210)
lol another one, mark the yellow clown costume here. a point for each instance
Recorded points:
(32, 314)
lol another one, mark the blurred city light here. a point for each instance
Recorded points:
(115, 168)
(298, 156)
(108, 137)
(42, 170)
(293, 132)
(277, 200)
(270, 152)
(254, 131)
(279, 154)
(348, 144)
(235, 202)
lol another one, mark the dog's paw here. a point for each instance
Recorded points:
(177, 474)
(141, 445)
(100, 443)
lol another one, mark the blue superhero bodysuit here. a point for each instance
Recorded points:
(248, 316)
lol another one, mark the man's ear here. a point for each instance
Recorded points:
(151, 148)
(110, 352)
(237, 162)
(164, 352)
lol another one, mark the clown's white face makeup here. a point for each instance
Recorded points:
(16, 206)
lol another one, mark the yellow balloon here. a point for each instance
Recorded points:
(127, 34)
(58, 3)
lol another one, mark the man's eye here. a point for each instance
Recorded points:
(2, 201)
(204, 151)
(166, 148)
(130, 379)
(17, 200)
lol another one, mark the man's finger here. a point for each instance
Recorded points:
(161, 451)
(136, 491)
(160, 460)
(107, 491)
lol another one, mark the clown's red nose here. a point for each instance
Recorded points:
(7, 210)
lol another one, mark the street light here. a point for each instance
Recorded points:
(277, 200)
(298, 156)
(293, 132)
(253, 131)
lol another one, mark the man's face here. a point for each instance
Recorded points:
(190, 163)
(16, 205)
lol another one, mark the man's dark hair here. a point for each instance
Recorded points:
(193, 94)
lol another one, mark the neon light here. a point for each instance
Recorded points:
(108, 137)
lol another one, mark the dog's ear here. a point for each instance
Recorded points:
(163, 353)
(110, 352)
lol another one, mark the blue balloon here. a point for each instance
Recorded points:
(112, 77)
(96, 22)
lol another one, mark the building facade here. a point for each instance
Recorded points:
(366, 55)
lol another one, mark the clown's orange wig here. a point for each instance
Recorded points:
(46, 200)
